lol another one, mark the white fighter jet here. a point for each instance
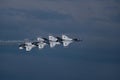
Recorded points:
(65, 40)
(53, 41)
(27, 45)
(41, 42)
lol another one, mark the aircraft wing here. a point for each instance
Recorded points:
(53, 44)
(29, 48)
(41, 45)
(66, 43)
(64, 37)
(52, 38)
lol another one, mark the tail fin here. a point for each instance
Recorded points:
(64, 37)
(52, 38)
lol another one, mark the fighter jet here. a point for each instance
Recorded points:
(41, 42)
(53, 41)
(65, 40)
(27, 45)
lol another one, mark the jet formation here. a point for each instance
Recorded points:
(51, 41)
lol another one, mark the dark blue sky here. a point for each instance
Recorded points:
(96, 22)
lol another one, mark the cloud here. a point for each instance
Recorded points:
(80, 10)
(37, 14)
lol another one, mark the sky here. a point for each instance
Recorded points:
(96, 22)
